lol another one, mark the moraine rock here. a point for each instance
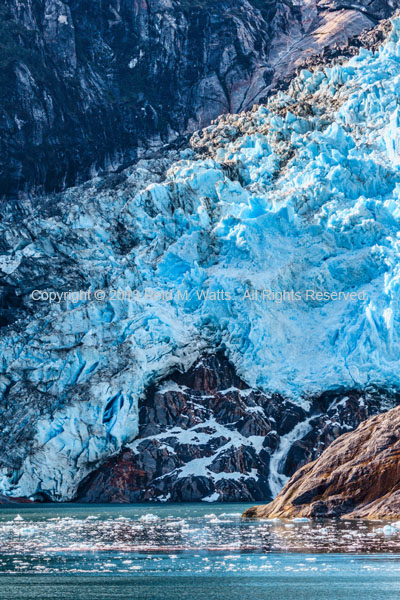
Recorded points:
(205, 435)
(358, 476)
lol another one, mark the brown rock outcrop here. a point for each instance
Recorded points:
(4, 500)
(357, 476)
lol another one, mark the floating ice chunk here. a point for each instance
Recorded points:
(211, 498)
(396, 524)
(149, 518)
(274, 520)
(389, 530)
(28, 531)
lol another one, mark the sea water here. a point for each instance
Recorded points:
(191, 551)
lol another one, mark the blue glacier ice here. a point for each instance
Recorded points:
(300, 195)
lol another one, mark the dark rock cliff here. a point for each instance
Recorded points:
(205, 435)
(88, 86)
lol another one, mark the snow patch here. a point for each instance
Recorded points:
(317, 208)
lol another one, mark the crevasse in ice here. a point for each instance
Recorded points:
(302, 194)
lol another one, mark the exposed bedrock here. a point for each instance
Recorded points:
(205, 435)
(277, 245)
(88, 86)
(358, 476)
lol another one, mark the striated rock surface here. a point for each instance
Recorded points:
(358, 476)
(88, 86)
(204, 435)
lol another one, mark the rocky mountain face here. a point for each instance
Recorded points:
(204, 435)
(357, 477)
(88, 86)
(272, 239)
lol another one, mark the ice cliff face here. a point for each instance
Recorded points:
(301, 194)
(87, 86)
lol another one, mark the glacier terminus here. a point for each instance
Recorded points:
(302, 193)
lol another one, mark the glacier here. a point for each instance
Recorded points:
(302, 193)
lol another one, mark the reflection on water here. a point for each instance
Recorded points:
(141, 551)
(65, 539)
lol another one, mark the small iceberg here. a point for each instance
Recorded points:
(28, 531)
(389, 530)
(149, 518)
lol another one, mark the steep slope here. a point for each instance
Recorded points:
(273, 239)
(205, 435)
(358, 476)
(88, 86)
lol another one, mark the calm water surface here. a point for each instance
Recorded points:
(187, 551)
